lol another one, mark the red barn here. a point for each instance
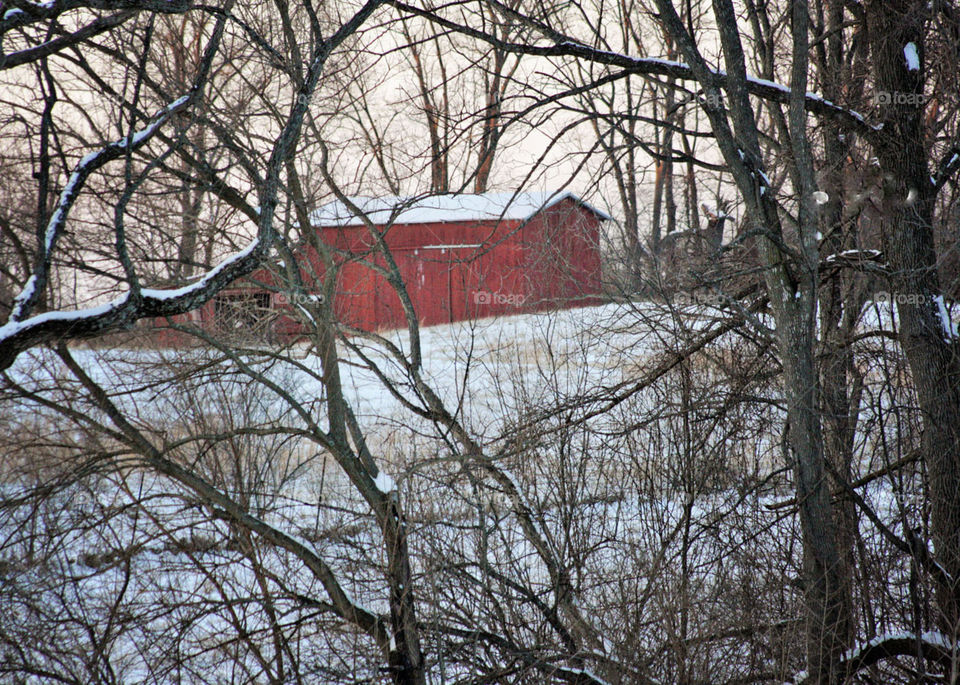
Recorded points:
(460, 257)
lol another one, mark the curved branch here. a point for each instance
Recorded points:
(94, 28)
(565, 46)
(931, 645)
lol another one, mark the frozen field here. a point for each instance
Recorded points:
(656, 497)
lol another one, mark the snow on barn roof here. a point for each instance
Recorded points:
(444, 208)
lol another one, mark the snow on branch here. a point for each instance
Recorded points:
(769, 90)
(911, 56)
(50, 9)
(579, 675)
(949, 328)
(861, 260)
(86, 166)
(384, 482)
(17, 336)
(565, 46)
(948, 166)
(32, 54)
(932, 645)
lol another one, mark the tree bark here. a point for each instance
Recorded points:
(791, 278)
(907, 232)
(836, 366)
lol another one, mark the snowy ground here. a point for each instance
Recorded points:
(480, 365)
(490, 373)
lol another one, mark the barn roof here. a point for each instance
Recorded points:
(444, 208)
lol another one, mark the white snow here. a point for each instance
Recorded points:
(912, 57)
(444, 208)
(821, 198)
(21, 300)
(932, 637)
(384, 482)
(621, 56)
(307, 314)
(849, 254)
(585, 673)
(949, 328)
(209, 276)
(810, 96)
(506, 359)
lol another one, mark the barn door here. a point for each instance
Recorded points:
(447, 276)
(465, 279)
(434, 285)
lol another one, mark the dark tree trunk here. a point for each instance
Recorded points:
(907, 233)
(792, 287)
(836, 367)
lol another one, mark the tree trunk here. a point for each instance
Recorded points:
(826, 587)
(836, 367)
(907, 231)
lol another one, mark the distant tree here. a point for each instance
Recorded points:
(782, 212)
(641, 492)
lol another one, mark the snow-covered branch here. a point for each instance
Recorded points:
(17, 336)
(32, 54)
(24, 302)
(947, 168)
(565, 46)
(931, 645)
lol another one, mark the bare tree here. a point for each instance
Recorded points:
(741, 492)
(788, 241)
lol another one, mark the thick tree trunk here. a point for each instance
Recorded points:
(907, 231)
(826, 583)
(836, 366)
(792, 281)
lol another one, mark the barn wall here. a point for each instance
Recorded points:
(562, 256)
(452, 271)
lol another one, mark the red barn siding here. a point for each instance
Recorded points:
(453, 270)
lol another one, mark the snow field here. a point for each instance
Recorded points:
(643, 519)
